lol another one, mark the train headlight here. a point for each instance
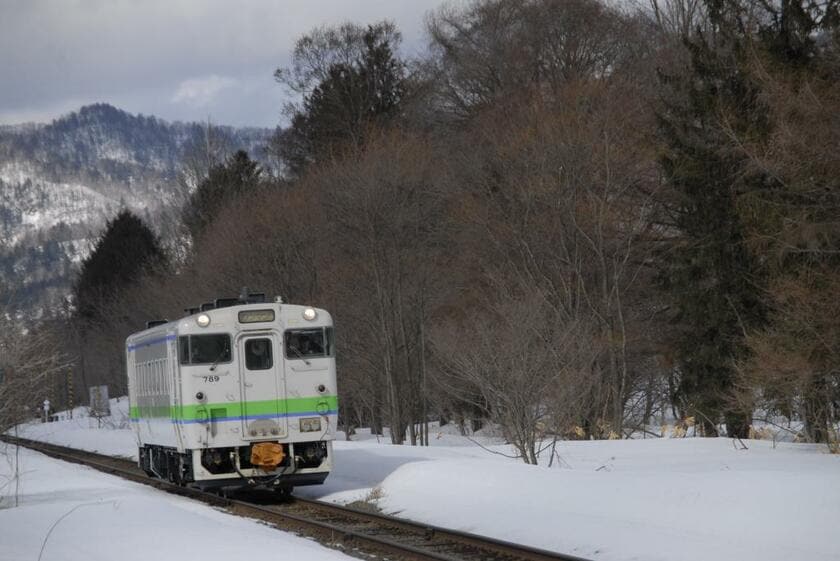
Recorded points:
(309, 314)
(313, 452)
(310, 424)
(310, 453)
(203, 320)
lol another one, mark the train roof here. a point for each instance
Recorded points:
(190, 321)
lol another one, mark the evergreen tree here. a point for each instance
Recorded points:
(789, 36)
(224, 182)
(713, 279)
(125, 251)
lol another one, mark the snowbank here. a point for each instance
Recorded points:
(686, 499)
(695, 499)
(71, 513)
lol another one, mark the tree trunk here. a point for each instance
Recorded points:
(737, 425)
(815, 411)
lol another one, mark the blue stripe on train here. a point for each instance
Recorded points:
(170, 337)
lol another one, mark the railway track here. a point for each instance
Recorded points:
(360, 533)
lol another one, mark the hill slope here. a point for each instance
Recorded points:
(60, 182)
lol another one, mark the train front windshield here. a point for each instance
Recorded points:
(205, 349)
(309, 343)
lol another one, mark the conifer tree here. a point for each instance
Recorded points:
(125, 251)
(714, 281)
(226, 181)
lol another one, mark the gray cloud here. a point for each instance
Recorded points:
(178, 59)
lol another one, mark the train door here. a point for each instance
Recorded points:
(263, 387)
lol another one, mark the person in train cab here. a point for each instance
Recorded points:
(259, 351)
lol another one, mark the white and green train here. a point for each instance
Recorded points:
(238, 393)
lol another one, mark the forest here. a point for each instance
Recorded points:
(564, 218)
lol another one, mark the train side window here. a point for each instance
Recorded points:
(165, 376)
(184, 349)
(258, 354)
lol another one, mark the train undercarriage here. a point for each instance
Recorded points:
(233, 467)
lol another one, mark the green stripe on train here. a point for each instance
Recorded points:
(289, 406)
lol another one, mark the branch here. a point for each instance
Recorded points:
(485, 448)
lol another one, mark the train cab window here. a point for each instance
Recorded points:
(309, 343)
(258, 354)
(205, 349)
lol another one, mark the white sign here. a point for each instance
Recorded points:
(99, 405)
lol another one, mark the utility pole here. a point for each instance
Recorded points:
(55, 394)
(70, 391)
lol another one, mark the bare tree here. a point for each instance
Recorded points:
(270, 239)
(205, 151)
(558, 202)
(678, 19)
(30, 354)
(489, 52)
(384, 275)
(516, 364)
(792, 225)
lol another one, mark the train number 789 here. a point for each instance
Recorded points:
(211, 379)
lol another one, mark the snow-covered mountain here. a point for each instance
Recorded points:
(60, 182)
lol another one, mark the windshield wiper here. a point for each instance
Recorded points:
(299, 354)
(216, 362)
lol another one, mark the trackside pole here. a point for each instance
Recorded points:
(70, 391)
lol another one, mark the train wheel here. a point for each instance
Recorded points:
(284, 492)
(145, 461)
(173, 469)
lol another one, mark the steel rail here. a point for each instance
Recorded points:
(336, 526)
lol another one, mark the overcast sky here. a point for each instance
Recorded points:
(176, 59)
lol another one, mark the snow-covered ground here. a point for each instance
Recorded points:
(655, 499)
(68, 512)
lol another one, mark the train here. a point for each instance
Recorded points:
(240, 392)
